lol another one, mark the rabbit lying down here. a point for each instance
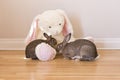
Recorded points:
(80, 49)
(30, 48)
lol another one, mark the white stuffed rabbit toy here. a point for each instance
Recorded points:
(52, 22)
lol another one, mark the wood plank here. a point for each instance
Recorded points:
(13, 66)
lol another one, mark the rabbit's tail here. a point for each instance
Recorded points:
(97, 57)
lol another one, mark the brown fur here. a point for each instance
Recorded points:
(30, 48)
(81, 49)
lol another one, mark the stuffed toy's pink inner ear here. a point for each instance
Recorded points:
(35, 30)
(32, 35)
(65, 31)
(67, 28)
(67, 24)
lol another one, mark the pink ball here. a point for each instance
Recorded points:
(45, 52)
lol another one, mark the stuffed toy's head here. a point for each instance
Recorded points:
(52, 22)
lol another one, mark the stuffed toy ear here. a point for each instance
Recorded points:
(90, 38)
(67, 26)
(32, 35)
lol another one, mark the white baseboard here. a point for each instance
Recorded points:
(12, 44)
(108, 43)
(18, 44)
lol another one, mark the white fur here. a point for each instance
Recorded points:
(56, 19)
(97, 57)
(78, 57)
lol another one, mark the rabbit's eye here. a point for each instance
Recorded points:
(60, 46)
(54, 42)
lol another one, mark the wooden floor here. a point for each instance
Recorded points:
(13, 66)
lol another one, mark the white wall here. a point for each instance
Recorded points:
(97, 18)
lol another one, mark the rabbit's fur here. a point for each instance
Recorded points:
(81, 49)
(30, 48)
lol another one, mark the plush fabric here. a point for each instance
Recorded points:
(52, 22)
(45, 52)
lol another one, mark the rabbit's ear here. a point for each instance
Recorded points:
(32, 35)
(67, 26)
(67, 38)
(46, 36)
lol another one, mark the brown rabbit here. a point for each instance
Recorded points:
(30, 48)
(81, 49)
